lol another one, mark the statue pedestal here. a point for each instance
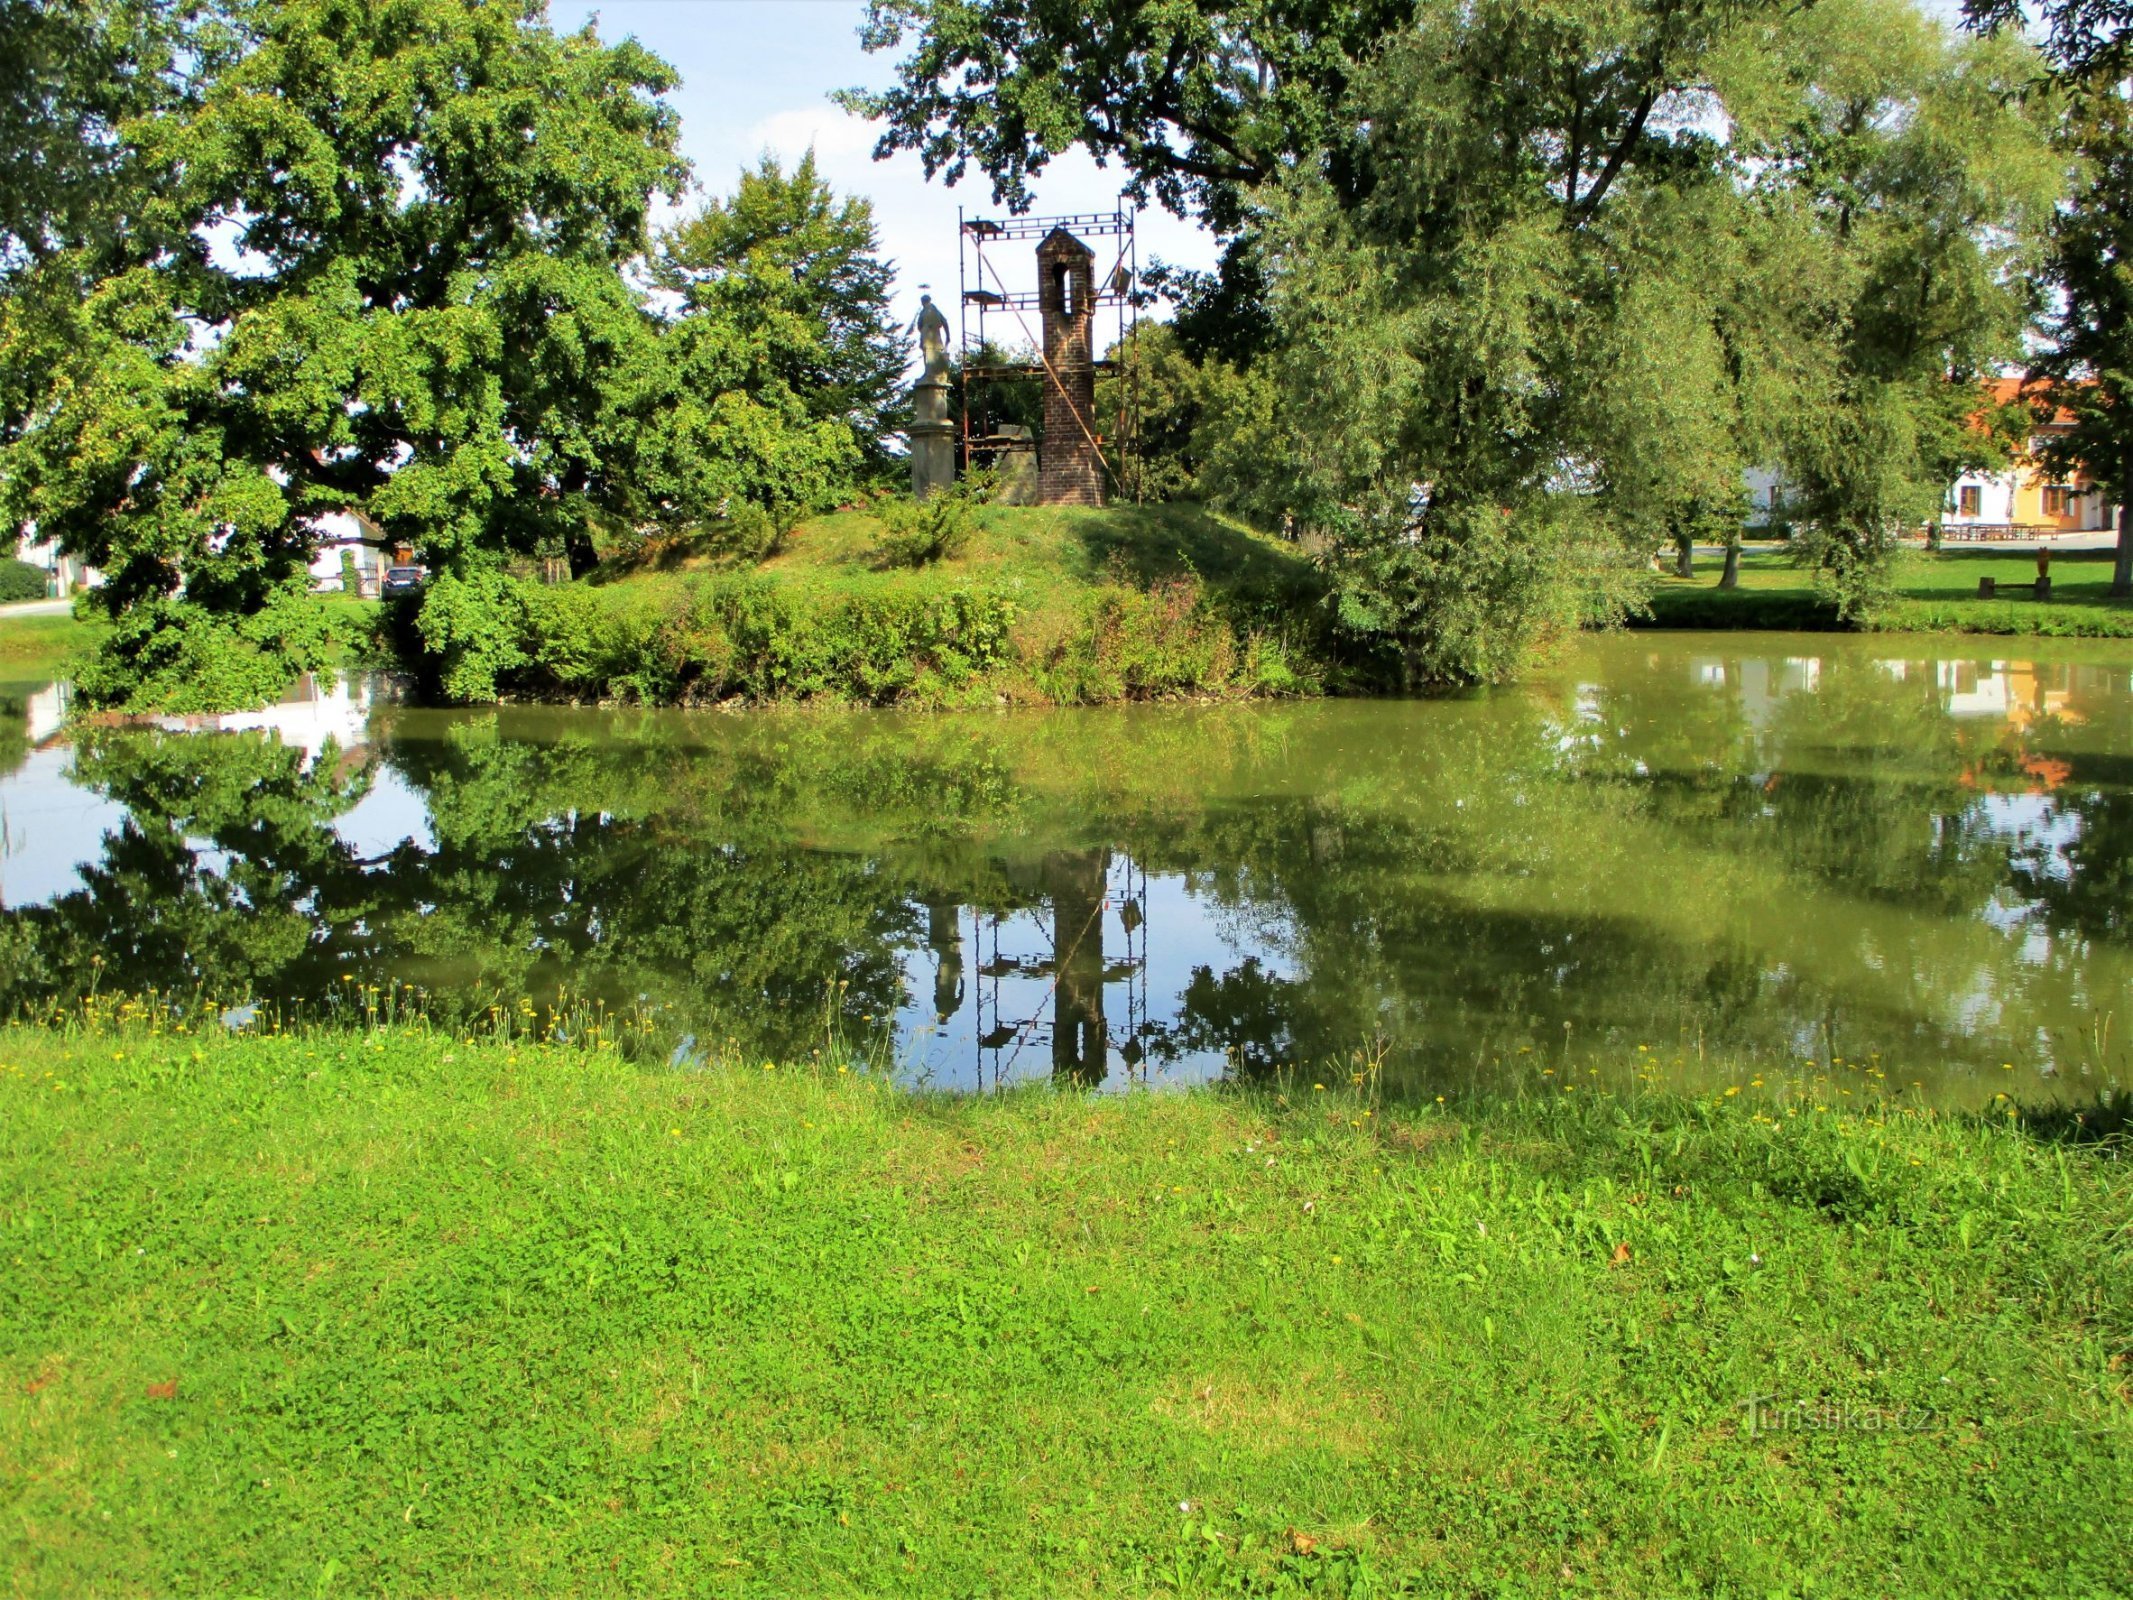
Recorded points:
(932, 439)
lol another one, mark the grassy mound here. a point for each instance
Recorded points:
(1043, 606)
(399, 1313)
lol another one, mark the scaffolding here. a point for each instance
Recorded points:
(986, 299)
(999, 1039)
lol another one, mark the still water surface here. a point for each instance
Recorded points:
(1740, 852)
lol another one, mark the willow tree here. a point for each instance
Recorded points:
(1544, 282)
(2084, 362)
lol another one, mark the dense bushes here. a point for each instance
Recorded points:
(19, 580)
(916, 533)
(924, 640)
(170, 655)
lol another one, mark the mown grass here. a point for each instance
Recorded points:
(399, 1313)
(1934, 592)
(31, 646)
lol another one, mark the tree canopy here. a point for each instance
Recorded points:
(386, 260)
(800, 273)
(2083, 364)
(1541, 284)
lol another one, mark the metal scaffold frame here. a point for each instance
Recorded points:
(999, 1040)
(983, 293)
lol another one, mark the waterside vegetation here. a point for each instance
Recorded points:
(1495, 316)
(1038, 606)
(390, 1309)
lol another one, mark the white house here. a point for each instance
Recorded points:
(2021, 501)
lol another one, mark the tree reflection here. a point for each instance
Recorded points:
(1717, 854)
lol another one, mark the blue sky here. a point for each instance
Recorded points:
(757, 75)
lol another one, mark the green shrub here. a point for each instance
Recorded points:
(176, 655)
(916, 533)
(748, 636)
(1134, 644)
(718, 638)
(472, 628)
(20, 580)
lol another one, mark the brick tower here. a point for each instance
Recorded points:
(1069, 467)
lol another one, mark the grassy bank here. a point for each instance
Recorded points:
(38, 646)
(1041, 606)
(403, 1314)
(1936, 592)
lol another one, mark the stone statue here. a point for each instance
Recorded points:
(932, 329)
(932, 434)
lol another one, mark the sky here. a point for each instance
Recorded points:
(757, 75)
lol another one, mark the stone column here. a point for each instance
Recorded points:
(932, 439)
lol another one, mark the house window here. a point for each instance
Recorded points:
(1774, 497)
(1969, 500)
(2058, 500)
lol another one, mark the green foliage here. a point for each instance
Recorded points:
(472, 626)
(2081, 371)
(72, 73)
(1128, 643)
(2088, 42)
(1926, 183)
(711, 638)
(1165, 396)
(423, 322)
(931, 639)
(1199, 102)
(999, 401)
(23, 580)
(799, 275)
(1043, 1343)
(916, 533)
(1476, 594)
(1060, 582)
(1520, 315)
(178, 655)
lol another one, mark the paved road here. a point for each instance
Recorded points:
(37, 608)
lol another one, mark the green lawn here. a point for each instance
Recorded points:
(1935, 592)
(34, 646)
(408, 1315)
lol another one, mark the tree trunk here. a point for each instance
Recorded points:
(1730, 578)
(578, 545)
(2122, 569)
(1685, 558)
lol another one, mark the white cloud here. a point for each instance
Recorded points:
(757, 76)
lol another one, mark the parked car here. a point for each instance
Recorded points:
(402, 580)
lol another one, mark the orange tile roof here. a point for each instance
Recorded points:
(2006, 391)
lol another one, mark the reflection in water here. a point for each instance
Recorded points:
(1718, 851)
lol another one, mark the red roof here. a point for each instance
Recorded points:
(2006, 391)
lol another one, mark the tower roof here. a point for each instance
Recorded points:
(1059, 243)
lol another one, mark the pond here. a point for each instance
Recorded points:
(1711, 857)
